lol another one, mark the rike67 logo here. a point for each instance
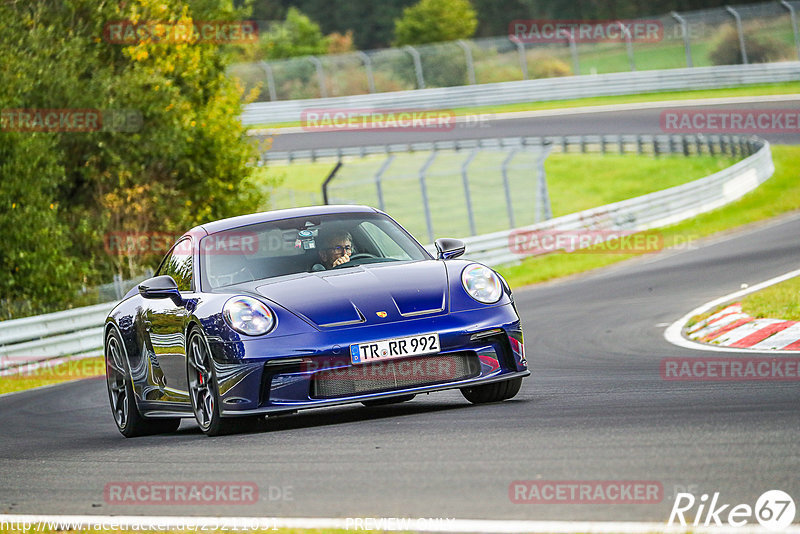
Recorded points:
(774, 510)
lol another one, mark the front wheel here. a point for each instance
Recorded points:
(204, 392)
(495, 392)
(129, 421)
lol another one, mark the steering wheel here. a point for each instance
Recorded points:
(359, 256)
(362, 256)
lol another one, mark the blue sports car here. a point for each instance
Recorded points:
(303, 308)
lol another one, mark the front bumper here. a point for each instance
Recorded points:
(284, 374)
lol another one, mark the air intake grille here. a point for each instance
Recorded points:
(394, 374)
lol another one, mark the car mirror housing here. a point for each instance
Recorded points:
(160, 287)
(447, 248)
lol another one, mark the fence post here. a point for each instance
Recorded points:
(328, 180)
(546, 210)
(424, 189)
(118, 289)
(628, 44)
(507, 187)
(523, 60)
(573, 49)
(378, 184)
(468, 58)
(323, 90)
(793, 16)
(467, 196)
(417, 65)
(368, 67)
(273, 96)
(686, 41)
(740, 30)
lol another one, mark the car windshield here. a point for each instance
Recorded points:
(303, 244)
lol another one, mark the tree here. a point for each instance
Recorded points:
(298, 35)
(432, 21)
(186, 161)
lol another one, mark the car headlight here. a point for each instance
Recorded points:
(248, 316)
(481, 283)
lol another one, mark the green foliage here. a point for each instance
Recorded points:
(547, 66)
(433, 21)
(760, 48)
(184, 164)
(296, 36)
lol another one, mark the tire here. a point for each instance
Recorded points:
(127, 417)
(390, 400)
(204, 392)
(495, 392)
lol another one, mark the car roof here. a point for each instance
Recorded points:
(277, 215)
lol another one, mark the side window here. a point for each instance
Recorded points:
(388, 246)
(178, 265)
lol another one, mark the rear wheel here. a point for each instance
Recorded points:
(204, 392)
(129, 421)
(390, 400)
(495, 392)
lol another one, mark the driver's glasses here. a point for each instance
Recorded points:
(342, 249)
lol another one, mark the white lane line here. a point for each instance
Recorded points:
(101, 523)
(674, 334)
(607, 108)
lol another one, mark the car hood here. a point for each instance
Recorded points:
(362, 294)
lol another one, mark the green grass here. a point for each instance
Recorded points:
(751, 90)
(579, 182)
(64, 372)
(780, 194)
(781, 301)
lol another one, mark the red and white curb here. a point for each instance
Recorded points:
(730, 329)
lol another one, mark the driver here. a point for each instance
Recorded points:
(336, 248)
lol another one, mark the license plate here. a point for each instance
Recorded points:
(400, 347)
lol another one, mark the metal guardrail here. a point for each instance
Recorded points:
(43, 337)
(544, 89)
(79, 331)
(645, 212)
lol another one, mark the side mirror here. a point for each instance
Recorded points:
(160, 287)
(447, 248)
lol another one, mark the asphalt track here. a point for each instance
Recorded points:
(636, 121)
(595, 408)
